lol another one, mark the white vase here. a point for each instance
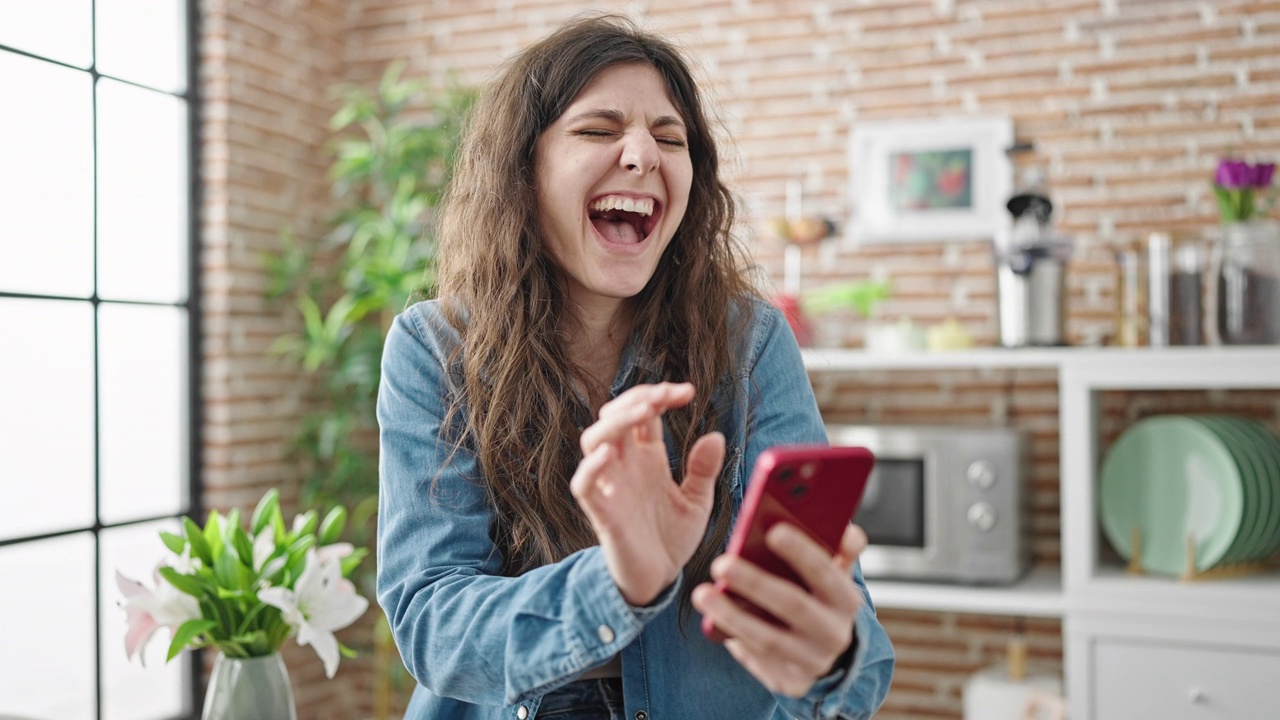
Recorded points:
(249, 689)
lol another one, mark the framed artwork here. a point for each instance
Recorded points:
(930, 180)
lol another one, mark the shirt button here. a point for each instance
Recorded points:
(642, 715)
(605, 633)
(522, 713)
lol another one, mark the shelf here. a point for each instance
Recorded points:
(1253, 599)
(847, 359)
(1038, 594)
(1100, 368)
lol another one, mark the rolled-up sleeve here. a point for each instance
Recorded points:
(463, 631)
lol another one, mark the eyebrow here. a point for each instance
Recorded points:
(616, 116)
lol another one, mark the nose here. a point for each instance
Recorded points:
(640, 153)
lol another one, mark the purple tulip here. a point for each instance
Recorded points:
(1260, 175)
(1232, 174)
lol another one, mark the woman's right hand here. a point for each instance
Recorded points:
(648, 525)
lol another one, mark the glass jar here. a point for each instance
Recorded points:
(1247, 274)
(1131, 297)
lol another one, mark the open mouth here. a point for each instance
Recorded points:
(624, 220)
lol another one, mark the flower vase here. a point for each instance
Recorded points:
(1247, 274)
(249, 689)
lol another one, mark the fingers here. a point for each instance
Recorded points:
(636, 410)
(773, 651)
(663, 395)
(783, 678)
(827, 580)
(613, 429)
(703, 467)
(586, 481)
(852, 543)
(819, 621)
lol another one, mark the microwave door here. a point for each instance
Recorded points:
(900, 515)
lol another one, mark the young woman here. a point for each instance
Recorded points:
(566, 431)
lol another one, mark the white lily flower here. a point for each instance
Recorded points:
(334, 552)
(320, 603)
(149, 610)
(263, 545)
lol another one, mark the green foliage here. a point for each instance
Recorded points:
(216, 566)
(392, 157)
(862, 296)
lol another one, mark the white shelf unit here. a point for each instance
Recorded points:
(1038, 594)
(1192, 645)
(1106, 612)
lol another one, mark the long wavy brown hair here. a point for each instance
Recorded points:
(501, 289)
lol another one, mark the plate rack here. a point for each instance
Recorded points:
(1190, 573)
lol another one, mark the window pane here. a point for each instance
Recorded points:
(47, 668)
(46, 411)
(57, 29)
(143, 41)
(143, 418)
(142, 194)
(46, 177)
(131, 691)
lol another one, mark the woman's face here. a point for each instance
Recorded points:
(613, 175)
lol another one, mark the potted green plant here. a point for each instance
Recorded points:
(831, 304)
(393, 150)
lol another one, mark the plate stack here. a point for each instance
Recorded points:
(1213, 479)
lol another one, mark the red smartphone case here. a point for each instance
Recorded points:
(812, 487)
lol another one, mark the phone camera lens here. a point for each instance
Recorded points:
(798, 491)
(786, 474)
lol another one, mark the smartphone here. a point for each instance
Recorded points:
(813, 487)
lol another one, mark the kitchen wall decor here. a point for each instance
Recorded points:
(930, 179)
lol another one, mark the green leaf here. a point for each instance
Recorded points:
(334, 522)
(312, 317)
(301, 545)
(229, 572)
(352, 561)
(262, 513)
(243, 546)
(347, 652)
(195, 536)
(186, 633)
(175, 543)
(232, 520)
(183, 583)
(305, 523)
(213, 534)
(272, 567)
(277, 526)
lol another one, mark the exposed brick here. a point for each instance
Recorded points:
(1129, 109)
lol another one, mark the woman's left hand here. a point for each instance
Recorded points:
(788, 660)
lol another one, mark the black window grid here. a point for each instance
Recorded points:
(194, 399)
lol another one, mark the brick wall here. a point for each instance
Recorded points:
(1129, 104)
(265, 75)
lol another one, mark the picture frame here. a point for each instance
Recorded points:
(930, 180)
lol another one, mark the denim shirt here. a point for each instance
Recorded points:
(483, 646)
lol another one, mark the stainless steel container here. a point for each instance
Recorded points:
(1031, 287)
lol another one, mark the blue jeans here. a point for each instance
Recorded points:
(599, 699)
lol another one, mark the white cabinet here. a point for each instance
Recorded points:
(1133, 646)
(1183, 681)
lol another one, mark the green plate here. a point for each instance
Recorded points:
(1267, 447)
(1251, 468)
(1171, 478)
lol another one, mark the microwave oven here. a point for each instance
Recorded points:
(943, 503)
